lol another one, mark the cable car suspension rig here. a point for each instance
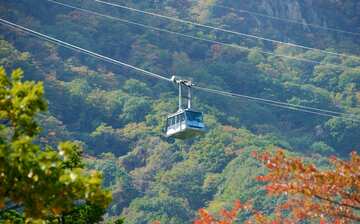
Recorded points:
(185, 123)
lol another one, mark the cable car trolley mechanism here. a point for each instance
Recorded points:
(185, 123)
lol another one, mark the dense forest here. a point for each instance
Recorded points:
(117, 115)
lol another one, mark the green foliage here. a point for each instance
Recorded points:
(106, 110)
(342, 133)
(238, 181)
(11, 58)
(45, 183)
(107, 103)
(255, 57)
(84, 214)
(322, 148)
(326, 77)
(115, 178)
(135, 109)
(163, 208)
(184, 180)
(11, 216)
(137, 88)
(119, 221)
(54, 128)
(108, 139)
(350, 77)
(78, 87)
(19, 104)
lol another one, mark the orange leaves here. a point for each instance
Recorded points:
(56, 210)
(322, 221)
(238, 205)
(262, 178)
(227, 217)
(332, 194)
(204, 217)
(2, 203)
(254, 154)
(324, 196)
(260, 218)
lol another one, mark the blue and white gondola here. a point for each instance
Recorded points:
(185, 123)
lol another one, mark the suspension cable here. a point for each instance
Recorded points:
(224, 30)
(79, 49)
(154, 75)
(194, 37)
(298, 22)
(311, 110)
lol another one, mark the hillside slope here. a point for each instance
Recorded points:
(118, 114)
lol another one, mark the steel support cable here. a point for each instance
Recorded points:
(193, 37)
(284, 19)
(280, 104)
(154, 75)
(224, 30)
(79, 49)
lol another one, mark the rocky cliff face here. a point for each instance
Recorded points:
(344, 15)
(284, 8)
(309, 11)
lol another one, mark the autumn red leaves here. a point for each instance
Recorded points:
(329, 195)
(227, 217)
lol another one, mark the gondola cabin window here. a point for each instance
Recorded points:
(185, 123)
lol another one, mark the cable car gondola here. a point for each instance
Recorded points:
(185, 123)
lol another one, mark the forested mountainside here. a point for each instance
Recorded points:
(118, 115)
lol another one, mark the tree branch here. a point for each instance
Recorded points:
(337, 203)
(352, 217)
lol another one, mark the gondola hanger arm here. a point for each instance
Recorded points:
(187, 83)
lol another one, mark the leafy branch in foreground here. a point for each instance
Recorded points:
(326, 196)
(40, 184)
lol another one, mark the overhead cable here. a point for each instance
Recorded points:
(224, 30)
(285, 19)
(311, 110)
(79, 49)
(193, 37)
(154, 75)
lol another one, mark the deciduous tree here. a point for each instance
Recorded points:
(40, 183)
(331, 195)
(324, 196)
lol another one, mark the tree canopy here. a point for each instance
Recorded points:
(115, 115)
(41, 183)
